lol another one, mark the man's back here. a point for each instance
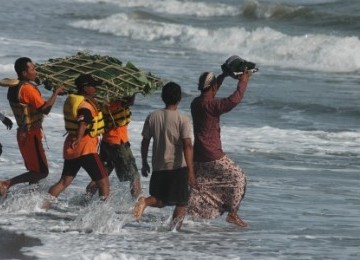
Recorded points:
(168, 128)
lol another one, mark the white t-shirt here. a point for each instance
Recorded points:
(168, 128)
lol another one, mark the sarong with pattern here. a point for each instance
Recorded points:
(222, 186)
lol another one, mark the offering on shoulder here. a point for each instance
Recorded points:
(6, 82)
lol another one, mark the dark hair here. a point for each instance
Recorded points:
(21, 65)
(171, 93)
(84, 80)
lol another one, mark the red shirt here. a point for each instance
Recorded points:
(206, 111)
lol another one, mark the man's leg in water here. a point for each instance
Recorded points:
(143, 202)
(178, 217)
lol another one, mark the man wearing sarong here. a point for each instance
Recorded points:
(221, 183)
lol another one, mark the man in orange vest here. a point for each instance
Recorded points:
(115, 149)
(29, 108)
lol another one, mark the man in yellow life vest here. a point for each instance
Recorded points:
(115, 149)
(29, 108)
(84, 123)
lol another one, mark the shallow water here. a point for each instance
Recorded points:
(296, 133)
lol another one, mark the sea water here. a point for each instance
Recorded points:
(296, 133)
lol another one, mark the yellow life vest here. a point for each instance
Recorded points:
(26, 116)
(71, 106)
(119, 117)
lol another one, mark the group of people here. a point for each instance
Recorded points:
(84, 123)
(197, 178)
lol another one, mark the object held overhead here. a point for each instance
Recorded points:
(235, 66)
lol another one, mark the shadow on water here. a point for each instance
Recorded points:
(11, 244)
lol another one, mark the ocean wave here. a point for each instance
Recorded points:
(308, 108)
(255, 9)
(176, 7)
(272, 141)
(306, 15)
(7, 68)
(318, 52)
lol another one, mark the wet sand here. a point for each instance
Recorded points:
(11, 244)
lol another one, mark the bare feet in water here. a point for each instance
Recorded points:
(3, 189)
(46, 204)
(235, 219)
(139, 208)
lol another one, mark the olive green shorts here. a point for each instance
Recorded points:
(120, 158)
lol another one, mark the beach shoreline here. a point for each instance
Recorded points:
(12, 242)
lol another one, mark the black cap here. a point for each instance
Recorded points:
(86, 80)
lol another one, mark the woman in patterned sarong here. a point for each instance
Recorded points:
(221, 182)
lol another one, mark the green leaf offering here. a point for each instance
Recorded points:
(119, 81)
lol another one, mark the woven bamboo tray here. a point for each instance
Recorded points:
(119, 80)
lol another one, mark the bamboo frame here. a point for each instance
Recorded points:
(119, 80)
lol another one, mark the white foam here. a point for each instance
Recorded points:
(8, 69)
(318, 52)
(272, 141)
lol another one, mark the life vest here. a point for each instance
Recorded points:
(26, 116)
(71, 106)
(119, 117)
